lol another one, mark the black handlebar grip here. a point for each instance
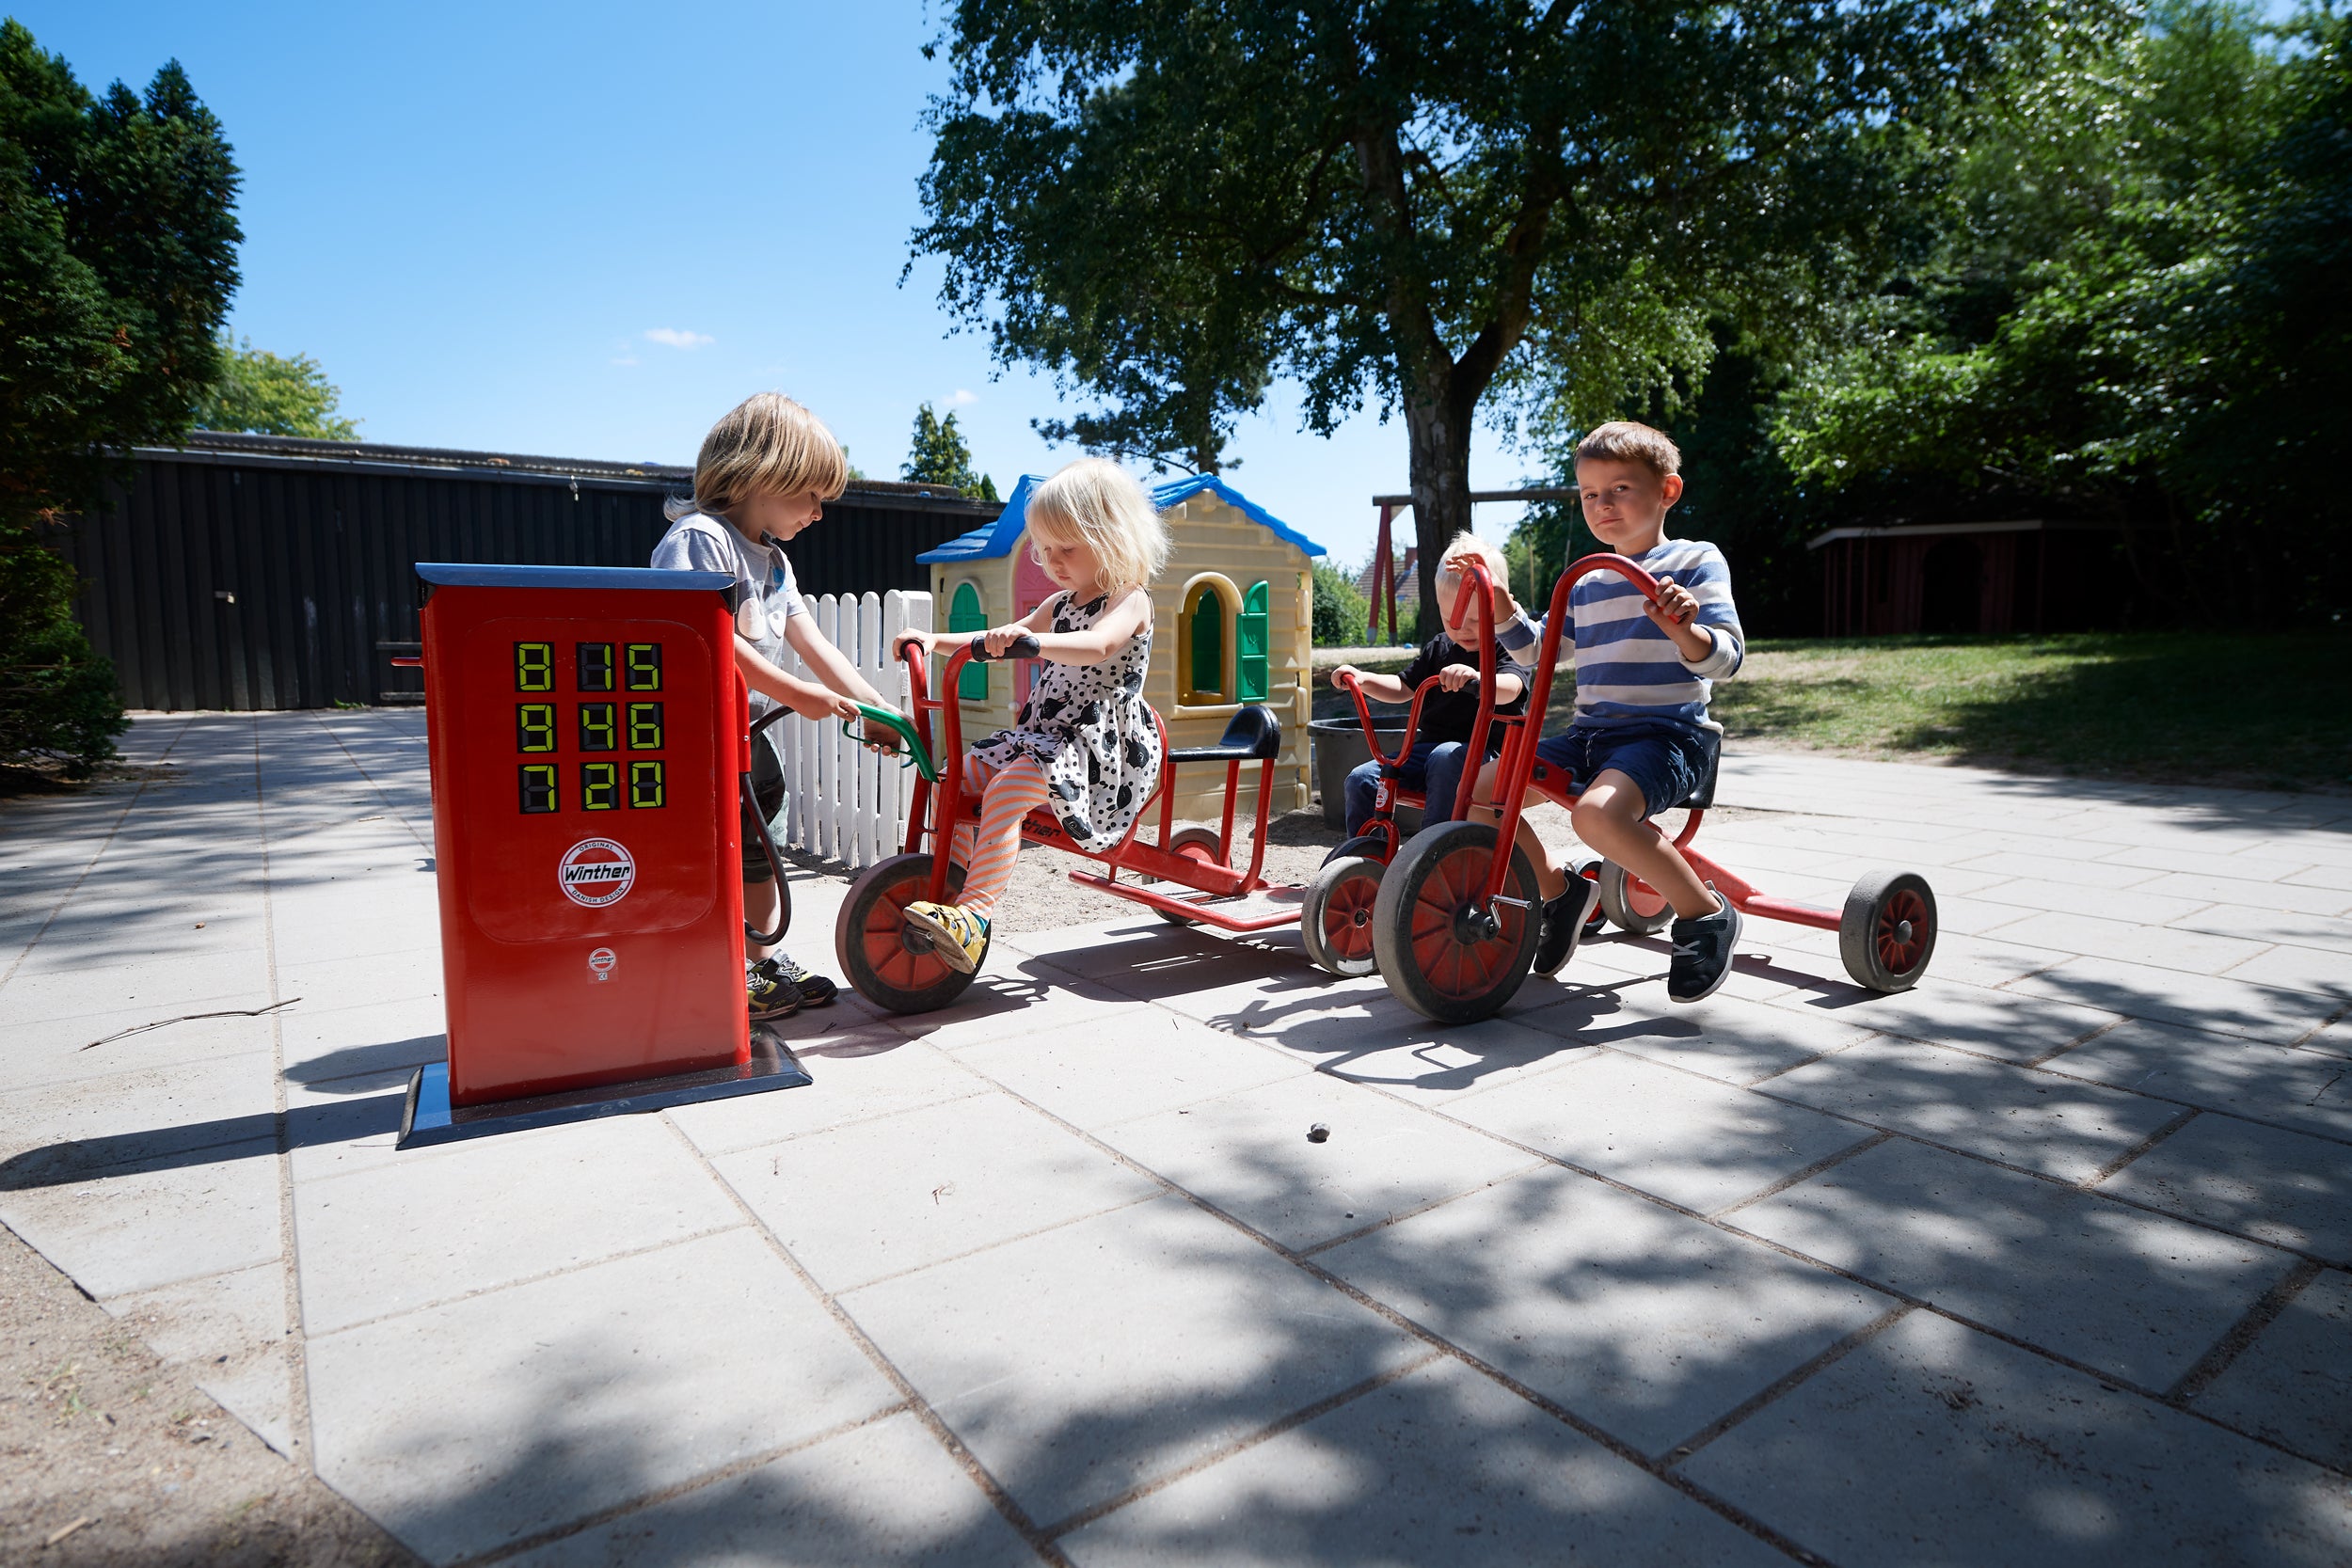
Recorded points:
(1022, 646)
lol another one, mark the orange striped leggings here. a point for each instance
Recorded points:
(1010, 794)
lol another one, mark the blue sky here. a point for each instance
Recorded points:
(588, 229)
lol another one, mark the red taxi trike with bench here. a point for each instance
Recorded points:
(1452, 926)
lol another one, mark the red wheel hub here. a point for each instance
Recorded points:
(1347, 918)
(896, 958)
(1902, 931)
(1452, 965)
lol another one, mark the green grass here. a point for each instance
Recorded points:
(2271, 711)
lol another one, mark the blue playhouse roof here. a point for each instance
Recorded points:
(996, 539)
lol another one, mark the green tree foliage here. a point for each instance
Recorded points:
(268, 394)
(1340, 611)
(117, 255)
(940, 456)
(1167, 202)
(2137, 312)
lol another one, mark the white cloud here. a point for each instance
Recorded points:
(961, 396)
(678, 337)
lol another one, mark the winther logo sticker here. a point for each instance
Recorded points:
(596, 872)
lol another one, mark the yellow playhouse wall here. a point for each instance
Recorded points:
(1205, 535)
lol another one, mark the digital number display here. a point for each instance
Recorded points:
(535, 666)
(599, 727)
(644, 726)
(538, 786)
(534, 726)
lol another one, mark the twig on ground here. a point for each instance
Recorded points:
(190, 1018)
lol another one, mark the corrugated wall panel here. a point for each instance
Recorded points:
(318, 558)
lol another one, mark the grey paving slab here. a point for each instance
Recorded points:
(858, 1071)
(885, 1492)
(1018, 995)
(1078, 1363)
(1648, 1323)
(2056, 1126)
(139, 1225)
(2286, 1188)
(1736, 1041)
(2224, 1005)
(233, 1331)
(467, 1426)
(2017, 1024)
(2327, 932)
(2294, 1384)
(1688, 1139)
(2088, 874)
(165, 990)
(439, 1223)
(2304, 1090)
(2131, 942)
(1441, 1466)
(1248, 1153)
(1358, 1031)
(2335, 876)
(90, 1123)
(2333, 1041)
(2320, 972)
(2018, 1254)
(53, 1051)
(323, 1042)
(1093, 1076)
(1936, 1445)
(875, 1199)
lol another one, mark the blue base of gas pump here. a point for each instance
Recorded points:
(427, 1117)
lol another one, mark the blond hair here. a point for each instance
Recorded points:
(1624, 441)
(1465, 545)
(767, 444)
(1096, 500)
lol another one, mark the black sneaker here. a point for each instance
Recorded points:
(1703, 953)
(1564, 925)
(771, 995)
(815, 991)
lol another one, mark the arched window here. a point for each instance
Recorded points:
(966, 615)
(1251, 639)
(1202, 677)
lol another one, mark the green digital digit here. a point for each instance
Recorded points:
(645, 785)
(645, 666)
(596, 727)
(595, 666)
(535, 666)
(534, 726)
(644, 726)
(599, 785)
(538, 786)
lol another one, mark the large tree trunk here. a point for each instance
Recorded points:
(1438, 431)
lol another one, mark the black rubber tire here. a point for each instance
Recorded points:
(916, 981)
(1178, 842)
(1588, 867)
(1364, 846)
(1616, 901)
(1415, 920)
(1886, 933)
(1335, 916)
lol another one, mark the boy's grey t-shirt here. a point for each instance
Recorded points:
(768, 597)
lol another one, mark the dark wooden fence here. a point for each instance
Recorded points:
(258, 572)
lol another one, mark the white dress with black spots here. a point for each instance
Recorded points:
(1088, 727)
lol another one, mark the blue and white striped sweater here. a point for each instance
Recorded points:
(1628, 670)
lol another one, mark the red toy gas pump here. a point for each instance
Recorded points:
(586, 738)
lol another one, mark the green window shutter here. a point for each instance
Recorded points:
(964, 614)
(1206, 670)
(1250, 638)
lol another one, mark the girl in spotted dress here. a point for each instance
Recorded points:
(1084, 743)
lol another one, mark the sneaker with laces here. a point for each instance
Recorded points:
(957, 936)
(1564, 925)
(1703, 953)
(771, 995)
(815, 991)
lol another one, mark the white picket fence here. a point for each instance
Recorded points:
(840, 801)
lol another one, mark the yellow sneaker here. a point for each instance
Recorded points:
(957, 936)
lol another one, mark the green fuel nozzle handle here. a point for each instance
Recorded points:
(914, 753)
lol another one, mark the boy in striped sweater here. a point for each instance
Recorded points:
(1642, 737)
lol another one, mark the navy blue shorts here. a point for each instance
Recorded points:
(1664, 761)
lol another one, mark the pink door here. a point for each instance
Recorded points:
(1031, 588)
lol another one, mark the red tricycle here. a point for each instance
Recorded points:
(1185, 874)
(1454, 924)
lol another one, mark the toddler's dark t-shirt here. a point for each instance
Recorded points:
(1451, 715)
